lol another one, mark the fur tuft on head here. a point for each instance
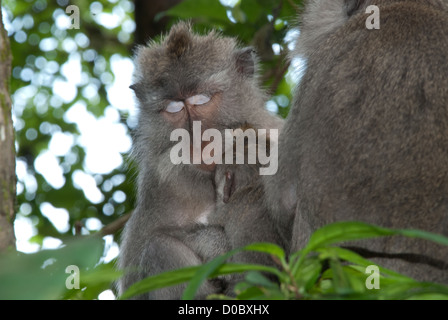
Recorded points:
(182, 54)
(179, 39)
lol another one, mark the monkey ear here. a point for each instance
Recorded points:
(137, 88)
(245, 61)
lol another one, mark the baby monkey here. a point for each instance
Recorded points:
(240, 208)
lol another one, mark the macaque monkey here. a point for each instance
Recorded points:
(240, 207)
(183, 79)
(367, 136)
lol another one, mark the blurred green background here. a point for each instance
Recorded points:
(74, 114)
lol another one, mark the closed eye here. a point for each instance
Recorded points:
(198, 100)
(174, 106)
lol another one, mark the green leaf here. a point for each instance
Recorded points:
(203, 273)
(348, 231)
(409, 290)
(210, 268)
(213, 10)
(250, 293)
(412, 233)
(216, 267)
(162, 280)
(429, 296)
(42, 275)
(175, 277)
(350, 256)
(344, 231)
(265, 247)
(309, 273)
(258, 287)
(230, 268)
(341, 281)
(257, 279)
(94, 282)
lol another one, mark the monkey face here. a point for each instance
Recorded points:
(188, 78)
(181, 114)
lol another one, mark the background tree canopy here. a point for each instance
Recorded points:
(73, 112)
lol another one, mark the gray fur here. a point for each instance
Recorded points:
(166, 228)
(243, 213)
(367, 136)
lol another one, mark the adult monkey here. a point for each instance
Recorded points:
(182, 79)
(367, 136)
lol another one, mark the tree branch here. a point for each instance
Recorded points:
(7, 151)
(115, 226)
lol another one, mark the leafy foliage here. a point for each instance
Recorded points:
(43, 275)
(321, 270)
(42, 52)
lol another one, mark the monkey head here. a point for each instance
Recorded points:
(187, 77)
